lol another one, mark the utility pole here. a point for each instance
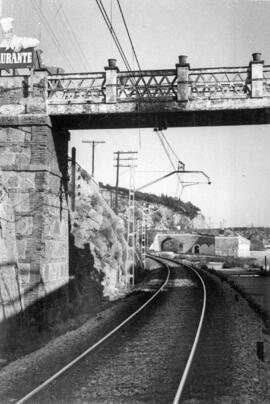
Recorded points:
(73, 178)
(117, 181)
(93, 143)
(118, 165)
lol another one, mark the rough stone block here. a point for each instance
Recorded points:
(33, 180)
(19, 180)
(7, 158)
(54, 271)
(16, 135)
(56, 249)
(21, 202)
(35, 278)
(26, 129)
(24, 226)
(36, 104)
(24, 157)
(21, 247)
(10, 110)
(3, 136)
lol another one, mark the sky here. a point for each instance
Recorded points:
(211, 33)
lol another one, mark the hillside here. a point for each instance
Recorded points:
(176, 205)
(161, 213)
(98, 249)
(99, 255)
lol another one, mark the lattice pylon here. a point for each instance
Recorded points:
(131, 225)
(143, 246)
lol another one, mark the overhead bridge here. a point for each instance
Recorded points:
(150, 98)
(37, 110)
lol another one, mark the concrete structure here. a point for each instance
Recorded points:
(232, 246)
(227, 246)
(185, 243)
(181, 96)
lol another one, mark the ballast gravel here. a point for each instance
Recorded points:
(249, 381)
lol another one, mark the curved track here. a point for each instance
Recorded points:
(196, 339)
(143, 358)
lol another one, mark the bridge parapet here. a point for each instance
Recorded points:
(181, 84)
(216, 83)
(74, 87)
(182, 96)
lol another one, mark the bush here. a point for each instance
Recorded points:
(175, 204)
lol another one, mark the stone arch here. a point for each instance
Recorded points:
(168, 244)
(196, 249)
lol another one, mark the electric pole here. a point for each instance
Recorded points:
(93, 143)
(118, 165)
(73, 178)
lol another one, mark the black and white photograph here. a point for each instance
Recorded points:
(135, 201)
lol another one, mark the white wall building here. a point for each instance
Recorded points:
(232, 246)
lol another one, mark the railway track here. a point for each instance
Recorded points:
(146, 358)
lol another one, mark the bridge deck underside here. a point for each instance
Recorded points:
(162, 119)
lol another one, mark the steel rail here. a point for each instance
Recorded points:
(87, 351)
(195, 343)
(197, 336)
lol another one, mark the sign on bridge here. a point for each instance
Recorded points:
(10, 59)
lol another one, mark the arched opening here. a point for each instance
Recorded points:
(169, 244)
(196, 249)
(180, 247)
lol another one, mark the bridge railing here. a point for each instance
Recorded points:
(79, 87)
(147, 85)
(229, 82)
(179, 84)
(209, 83)
(266, 81)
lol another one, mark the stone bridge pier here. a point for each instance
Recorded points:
(33, 167)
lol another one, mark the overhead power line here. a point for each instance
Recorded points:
(162, 137)
(113, 34)
(130, 40)
(180, 163)
(72, 35)
(50, 31)
(133, 49)
(171, 149)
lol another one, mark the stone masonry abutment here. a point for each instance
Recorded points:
(33, 166)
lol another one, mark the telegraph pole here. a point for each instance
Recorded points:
(118, 165)
(117, 181)
(93, 143)
(73, 178)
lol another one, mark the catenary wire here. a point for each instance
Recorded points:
(170, 147)
(113, 34)
(128, 33)
(169, 157)
(51, 33)
(57, 19)
(72, 34)
(133, 48)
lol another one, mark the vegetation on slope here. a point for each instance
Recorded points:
(175, 204)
